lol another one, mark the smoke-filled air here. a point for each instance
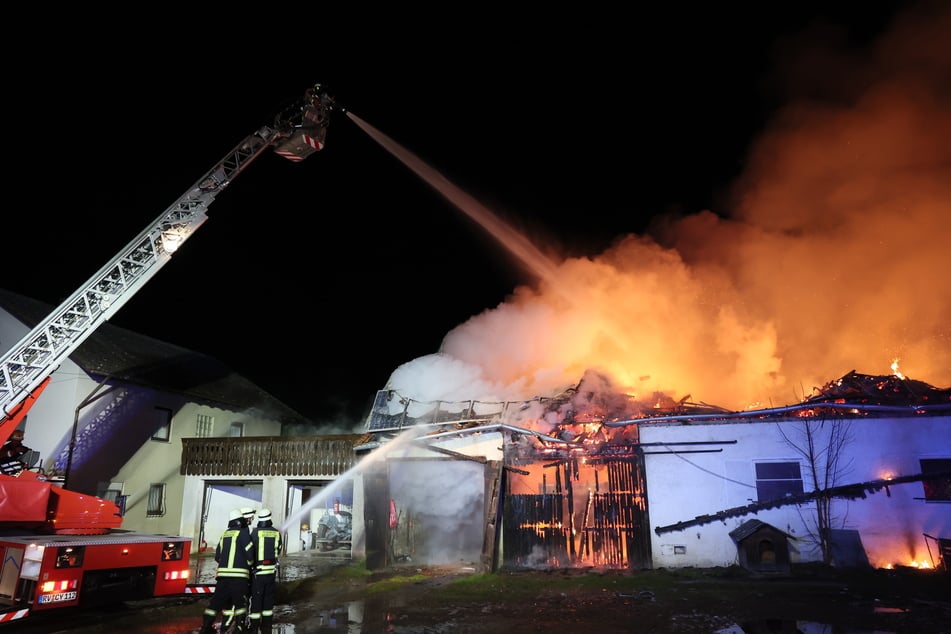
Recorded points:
(832, 256)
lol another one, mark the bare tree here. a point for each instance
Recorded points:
(822, 444)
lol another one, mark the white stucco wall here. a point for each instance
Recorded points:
(682, 486)
(160, 462)
(49, 427)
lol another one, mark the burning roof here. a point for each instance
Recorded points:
(595, 402)
(889, 389)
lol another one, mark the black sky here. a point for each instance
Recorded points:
(316, 280)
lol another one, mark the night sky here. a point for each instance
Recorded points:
(317, 280)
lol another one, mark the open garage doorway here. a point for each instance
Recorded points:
(220, 497)
(320, 517)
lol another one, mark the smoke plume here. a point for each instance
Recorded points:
(833, 256)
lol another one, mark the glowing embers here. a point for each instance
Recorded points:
(920, 565)
(577, 512)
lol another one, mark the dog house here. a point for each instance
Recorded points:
(762, 547)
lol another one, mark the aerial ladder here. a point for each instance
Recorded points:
(296, 132)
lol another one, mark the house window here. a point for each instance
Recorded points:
(111, 494)
(237, 430)
(937, 489)
(205, 426)
(775, 480)
(163, 424)
(156, 500)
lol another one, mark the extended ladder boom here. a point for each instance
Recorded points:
(296, 133)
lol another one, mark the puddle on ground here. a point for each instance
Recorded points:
(292, 567)
(370, 615)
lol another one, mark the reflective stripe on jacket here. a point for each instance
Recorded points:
(234, 554)
(268, 546)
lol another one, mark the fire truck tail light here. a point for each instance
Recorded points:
(175, 575)
(59, 586)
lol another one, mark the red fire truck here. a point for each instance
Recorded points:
(61, 548)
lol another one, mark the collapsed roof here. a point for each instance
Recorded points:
(888, 389)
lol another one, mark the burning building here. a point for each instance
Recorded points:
(593, 478)
(828, 251)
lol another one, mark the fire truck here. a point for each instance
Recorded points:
(61, 548)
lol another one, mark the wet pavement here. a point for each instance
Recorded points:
(374, 613)
(294, 566)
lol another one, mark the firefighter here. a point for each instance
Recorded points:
(247, 514)
(11, 453)
(267, 546)
(14, 447)
(235, 557)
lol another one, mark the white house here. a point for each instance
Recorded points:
(759, 459)
(112, 420)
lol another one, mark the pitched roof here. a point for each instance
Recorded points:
(134, 358)
(749, 527)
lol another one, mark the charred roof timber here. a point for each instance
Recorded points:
(850, 491)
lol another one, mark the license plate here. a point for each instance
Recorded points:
(59, 597)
